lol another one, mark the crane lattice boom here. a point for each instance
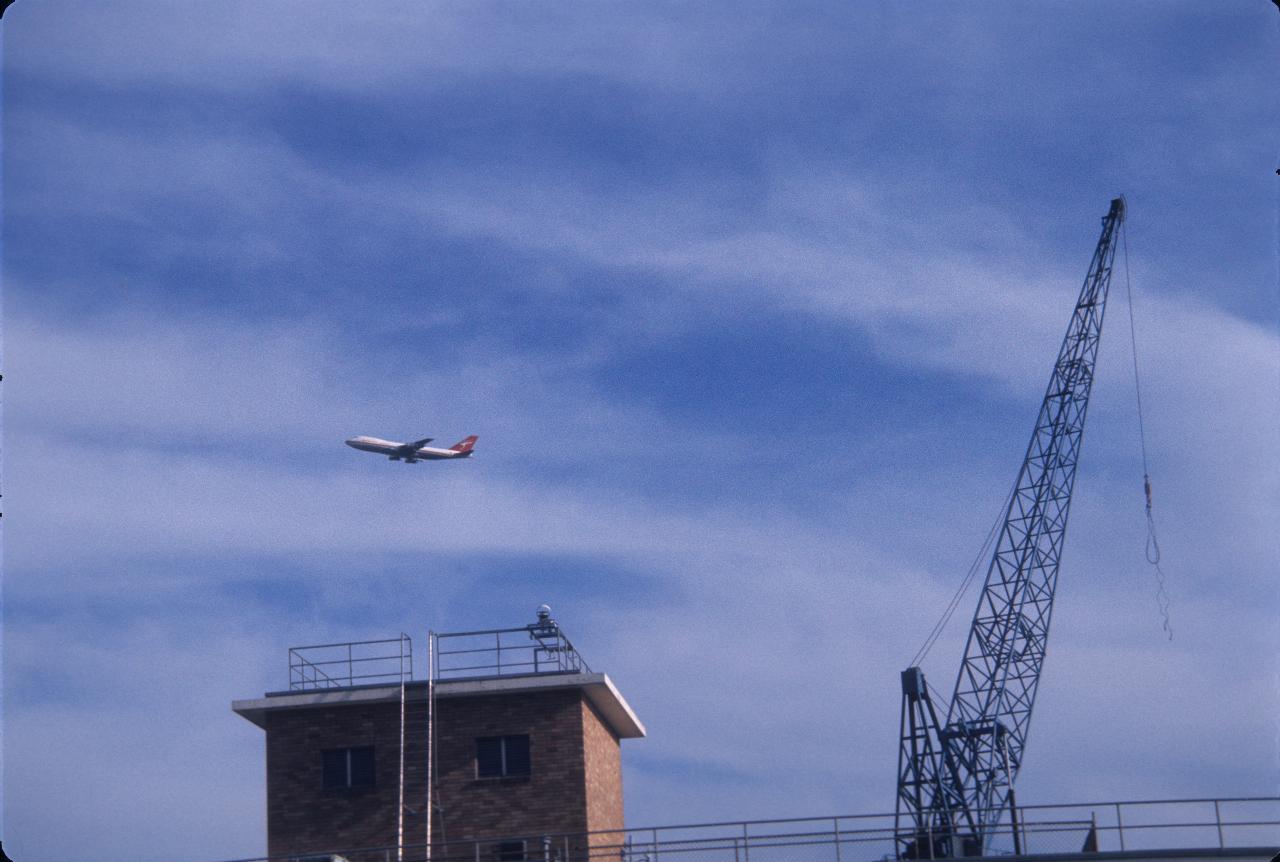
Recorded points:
(955, 779)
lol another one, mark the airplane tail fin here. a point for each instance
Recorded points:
(465, 446)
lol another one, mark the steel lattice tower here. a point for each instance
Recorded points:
(954, 780)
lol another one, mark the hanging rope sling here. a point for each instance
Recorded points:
(1153, 543)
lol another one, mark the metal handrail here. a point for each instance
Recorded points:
(307, 667)
(734, 840)
(537, 648)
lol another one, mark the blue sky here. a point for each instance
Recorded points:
(751, 306)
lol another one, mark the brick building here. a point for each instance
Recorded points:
(525, 749)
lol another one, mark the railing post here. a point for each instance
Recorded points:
(1217, 816)
(1120, 826)
(1018, 843)
(746, 844)
(835, 829)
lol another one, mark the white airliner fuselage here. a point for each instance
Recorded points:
(415, 451)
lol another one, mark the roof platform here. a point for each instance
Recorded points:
(597, 688)
(530, 659)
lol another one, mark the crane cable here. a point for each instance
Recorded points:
(978, 559)
(1153, 544)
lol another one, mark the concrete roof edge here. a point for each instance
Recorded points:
(615, 708)
(597, 687)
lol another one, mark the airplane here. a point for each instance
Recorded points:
(412, 453)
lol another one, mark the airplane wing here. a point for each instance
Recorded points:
(410, 448)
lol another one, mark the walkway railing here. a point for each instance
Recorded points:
(540, 647)
(347, 664)
(1141, 826)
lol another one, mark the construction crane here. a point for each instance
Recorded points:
(955, 778)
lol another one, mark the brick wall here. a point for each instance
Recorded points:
(574, 785)
(603, 757)
(551, 799)
(304, 817)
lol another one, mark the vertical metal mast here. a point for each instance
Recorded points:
(954, 781)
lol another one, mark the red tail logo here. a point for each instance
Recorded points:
(465, 446)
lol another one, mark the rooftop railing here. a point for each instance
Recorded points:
(343, 665)
(540, 647)
(1145, 829)
(537, 648)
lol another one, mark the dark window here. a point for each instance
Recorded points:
(335, 768)
(502, 756)
(347, 767)
(511, 851)
(489, 757)
(516, 752)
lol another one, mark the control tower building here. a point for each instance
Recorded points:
(519, 737)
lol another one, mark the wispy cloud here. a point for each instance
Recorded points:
(751, 310)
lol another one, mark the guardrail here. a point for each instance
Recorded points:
(1141, 826)
(343, 665)
(540, 647)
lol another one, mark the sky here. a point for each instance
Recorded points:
(751, 306)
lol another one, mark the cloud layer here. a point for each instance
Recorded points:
(751, 311)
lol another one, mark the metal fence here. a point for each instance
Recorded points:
(540, 647)
(348, 664)
(1159, 824)
(1202, 824)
